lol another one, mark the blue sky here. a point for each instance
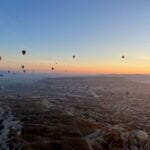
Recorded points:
(97, 31)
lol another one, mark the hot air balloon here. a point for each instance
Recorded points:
(22, 66)
(23, 52)
(24, 71)
(52, 68)
(0, 58)
(74, 56)
(123, 57)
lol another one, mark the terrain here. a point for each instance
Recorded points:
(76, 113)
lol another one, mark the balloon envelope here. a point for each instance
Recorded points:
(123, 57)
(22, 66)
(23, 52)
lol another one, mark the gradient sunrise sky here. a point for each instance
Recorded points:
(98, 32)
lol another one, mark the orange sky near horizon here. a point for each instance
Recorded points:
(78, 67)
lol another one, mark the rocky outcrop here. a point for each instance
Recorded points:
(8, 127)
(117, 138)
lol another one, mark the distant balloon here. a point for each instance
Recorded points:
(0, 58)
(1, 75)
(123, 57)
(52, 68)
(24, 71)
(22, 66)
(23, 52)
(8, 71)
(74, 56)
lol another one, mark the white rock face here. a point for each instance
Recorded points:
(7, 122)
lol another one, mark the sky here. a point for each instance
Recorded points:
(97, 32)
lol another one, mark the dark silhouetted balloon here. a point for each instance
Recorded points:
(24, 71)
(23, 52)
(22, 66)
(123, 57)
(0, 58)
(8, 71)
(1, 75)
(52, 68)
(74, 56)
